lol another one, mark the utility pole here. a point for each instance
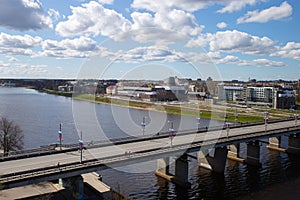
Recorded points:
(143, 124)
(81, 146)
(60, 136)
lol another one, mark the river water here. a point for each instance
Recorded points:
(39, 116)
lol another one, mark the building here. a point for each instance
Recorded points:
(230, 93)
(260, 94)
(284, 98)
(111, 90)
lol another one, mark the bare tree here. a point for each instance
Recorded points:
(11, 137)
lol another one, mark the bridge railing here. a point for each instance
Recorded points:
(51, 149)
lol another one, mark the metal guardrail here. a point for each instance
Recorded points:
(50, 149)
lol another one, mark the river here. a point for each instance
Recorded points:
(39, 116)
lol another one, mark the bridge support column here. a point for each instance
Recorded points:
(253, 153)
(182, 169)
(163, 165)
(294, 144)
(274, 144)
(234, 153)
(75, 183)
(216, 163)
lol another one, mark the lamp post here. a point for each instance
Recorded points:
(60, 136)
(81, 146)
(236, 116)
(171, 132)
(266, 119)
(143, 124)
(227, 129)
(198, 121)
(296, 116)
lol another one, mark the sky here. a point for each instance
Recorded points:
(148, 39)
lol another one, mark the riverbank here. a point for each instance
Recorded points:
(220, 113)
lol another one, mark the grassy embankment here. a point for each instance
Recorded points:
(172, 109)
(217, 114)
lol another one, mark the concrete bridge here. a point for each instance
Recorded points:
(40, 166)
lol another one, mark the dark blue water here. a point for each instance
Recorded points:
(39, 116)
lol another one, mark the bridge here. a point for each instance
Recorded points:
(42, 165)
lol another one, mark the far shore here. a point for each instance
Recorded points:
(220, 113)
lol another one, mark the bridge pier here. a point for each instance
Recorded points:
(234, 153)
(274, 144)
(75, 183)
(253, 153)
(181, 170)
(163, 165)
(294, 144)
(216, 163)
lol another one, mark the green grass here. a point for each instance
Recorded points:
(185, 109)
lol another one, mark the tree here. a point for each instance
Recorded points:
(11, 137)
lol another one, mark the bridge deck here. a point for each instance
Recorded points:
(142, 149)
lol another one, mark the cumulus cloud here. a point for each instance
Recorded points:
(290, 50)
(93, 19)
(24, 15)
(78, 47)
(230, 59)
(191, 5)
(54, 14)
(221, 25)
(263, 16)
(236, 5)
(236, 41)
(106, 1)
(144, 54)
(17, 44)
(164, 27)
(25, 70)
(159, 6)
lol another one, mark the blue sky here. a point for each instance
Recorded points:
(146, 39)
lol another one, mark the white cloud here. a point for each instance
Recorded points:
(268, 63)
(164, 27)
(272, 13)
(236, 5)
(191, 5)
(290, 50)
(78, 47)
(93, 19)
(54, 14)
(17, 44)
(236, 41)
(160, 6)
(23, 70)
(256, 62)
(24, 15)
(106, 1)
(221, 25)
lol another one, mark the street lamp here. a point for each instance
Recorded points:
(171, 132)
(143, 124)
(266, 119)
(60, 136)
(198, 121)
(236, 116)
(81, 146)
(296, 116)
(227, 129)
